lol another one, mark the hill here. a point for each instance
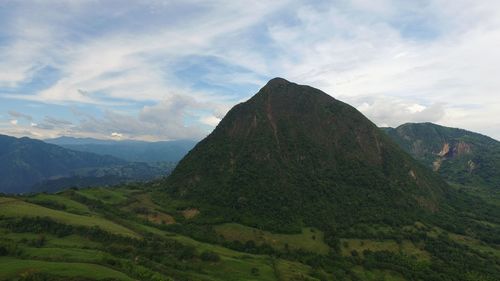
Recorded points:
(106, 176)
(459, 156)
(29, 165)
(292, 185)
(135, 151)
(138, 232)
(25, 161)
(293, 155)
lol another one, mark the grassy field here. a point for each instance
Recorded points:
(76, 256)
(474, 244)
(12, 267)
(11, 207)
(190, 213)
(236, 264)
(359, 245)
(288, 270)
(376, 275)
(145, 208)
(309, 240)
(241, 268)
(85, 257)
(77, 249)
(65, 254)
(106, 195)
(69, 205)
(71, 241)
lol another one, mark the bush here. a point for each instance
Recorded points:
(3, 250)
(254, 271)
(209, 256)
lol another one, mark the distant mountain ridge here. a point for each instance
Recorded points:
(130, 150)
(25, 161)
(458, 155)
(106, 176)
(30, 165)
(65, 140)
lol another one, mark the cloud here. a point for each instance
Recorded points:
(210, 120)
(56, 121)
(115, 68)
(433, 53)
(116, 135)
(135, 67)
(169, 119)
(16, 114)
(172, 69)
(51, 123)
(390, 111)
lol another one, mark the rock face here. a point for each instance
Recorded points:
(445, 150)
(293, 154)
(457, 150)
(458, 155)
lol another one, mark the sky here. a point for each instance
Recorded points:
(164, 70)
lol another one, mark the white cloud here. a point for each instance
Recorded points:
(451, 69)
(381, 7)
(389, 111)
(396, 61)
(136, 66)
(210, 120)
(415, 108)
(169, 119)
(116, 135)
(26, 54)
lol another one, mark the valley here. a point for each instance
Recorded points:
(100, 234)
(217, 140)
(292, 185)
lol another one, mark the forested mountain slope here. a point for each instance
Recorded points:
(294, 154)
(458, 155)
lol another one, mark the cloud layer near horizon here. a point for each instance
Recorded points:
(171, 69)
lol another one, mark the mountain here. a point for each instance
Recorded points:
(29, 165)
(64, 140)
(25, 161)
(106, 176)
(293, 155)
(291, 185)
(458, 155)
(130, 150)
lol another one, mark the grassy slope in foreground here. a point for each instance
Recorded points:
(12, 207)
(57, 252)
(309, 239)
(61, 253)
(14, 267)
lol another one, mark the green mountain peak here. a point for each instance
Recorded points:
(292, 154)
